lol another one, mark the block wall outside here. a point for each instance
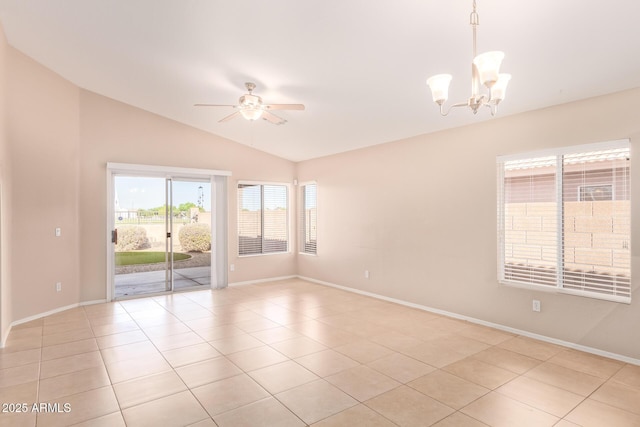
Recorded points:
(596, 235)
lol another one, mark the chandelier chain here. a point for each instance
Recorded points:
(474, 21)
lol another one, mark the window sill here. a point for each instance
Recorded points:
(556, 290)
(267, 254)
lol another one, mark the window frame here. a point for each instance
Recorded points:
(559, 154)
(288, 226)
(302, 219)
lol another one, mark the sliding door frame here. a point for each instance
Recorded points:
(219, 225)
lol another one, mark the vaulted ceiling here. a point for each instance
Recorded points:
(359, 66)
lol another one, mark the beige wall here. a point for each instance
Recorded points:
(420, 215)
(42, 124)
(5, 198)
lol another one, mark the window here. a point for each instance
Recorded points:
(308, 219)
(596, 192)
(263, 218)
(564, 220)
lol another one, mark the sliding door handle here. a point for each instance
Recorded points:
(114, 236)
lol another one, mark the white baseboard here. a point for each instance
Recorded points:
(5, 336)
(527, 334)
(272, 279)
(47, 313)
(95, 301)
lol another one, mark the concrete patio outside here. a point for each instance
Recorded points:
(154, 281)
(140, 279)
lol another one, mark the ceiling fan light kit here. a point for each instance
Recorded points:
(251, 113)
(250, 104)
(484, 72)
(250, 107)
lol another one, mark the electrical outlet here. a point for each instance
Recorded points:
(58, 231)
(536, 305)
(58, 286)
(232, 267)
(366, 274)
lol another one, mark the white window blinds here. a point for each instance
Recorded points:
(564, 220)
(597, 228)
(530, 221)
(263, 221)
(308, 219)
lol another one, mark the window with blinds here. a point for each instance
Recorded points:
(263, 218)
(564, 220)
(308, 219)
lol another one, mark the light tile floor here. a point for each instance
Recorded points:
(292, 353)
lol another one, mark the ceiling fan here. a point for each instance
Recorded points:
(250, 107)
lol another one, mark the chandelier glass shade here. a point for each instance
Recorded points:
(485, 72)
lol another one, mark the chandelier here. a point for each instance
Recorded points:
(484, 72)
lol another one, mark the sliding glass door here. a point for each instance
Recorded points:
(191, 233)
(165, 231)
(140, 240)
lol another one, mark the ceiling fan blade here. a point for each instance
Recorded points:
(284, 106)
(229, 117)
(272, 118)
(213, 105)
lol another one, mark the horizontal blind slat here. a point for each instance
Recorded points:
(249, 219)
(530, 221)
(263, 222)
(275, 216)
(595, 239)
(308, 219)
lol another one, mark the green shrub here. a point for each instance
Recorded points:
(132, 238)
(195, 237)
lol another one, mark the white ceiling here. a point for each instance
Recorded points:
(359, 66)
